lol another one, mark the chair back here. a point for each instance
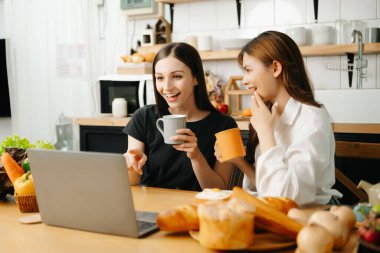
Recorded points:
(362, 150)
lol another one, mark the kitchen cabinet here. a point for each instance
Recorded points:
(110, 139)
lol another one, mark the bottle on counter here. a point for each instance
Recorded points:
(119, 107)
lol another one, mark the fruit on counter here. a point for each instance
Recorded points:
(362, 211)
(24, 185)
(268, 217)
(345, 215)
(338, 229)
(13, 170)
(126, 58)
(314, 239)
(178, 219)
(149, 57)
(223, 108)
(246, 112)
(137, 58)
(369, 229)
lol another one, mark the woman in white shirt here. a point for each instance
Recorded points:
(292, 143)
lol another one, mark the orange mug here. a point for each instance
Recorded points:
(230, 144)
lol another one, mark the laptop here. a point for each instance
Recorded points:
(87, 191)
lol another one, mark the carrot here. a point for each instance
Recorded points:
(13, 170)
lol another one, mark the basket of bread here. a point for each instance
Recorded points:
(238, 220)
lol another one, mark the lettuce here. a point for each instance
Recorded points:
(17, 142)
(43, 145)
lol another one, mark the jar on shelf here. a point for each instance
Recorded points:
(119, 107)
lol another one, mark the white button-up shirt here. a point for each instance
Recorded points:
(301, 166)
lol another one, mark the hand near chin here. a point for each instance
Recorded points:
(262, 119)
(189, 143)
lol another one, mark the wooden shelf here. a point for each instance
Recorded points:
(220, 55)
(369, 48)
(325, 50)
(239, 92)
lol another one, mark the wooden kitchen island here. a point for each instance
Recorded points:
(20, 238)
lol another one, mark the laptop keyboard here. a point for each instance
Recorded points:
(146, 216)
(144, 225)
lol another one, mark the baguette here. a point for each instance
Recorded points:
(179, 219)
(280, 203)
(268, 217)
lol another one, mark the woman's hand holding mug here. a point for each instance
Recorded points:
(188, 142)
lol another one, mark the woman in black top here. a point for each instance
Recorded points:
(180, 88)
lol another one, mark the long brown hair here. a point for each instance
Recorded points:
(272, 46)
(191, 58)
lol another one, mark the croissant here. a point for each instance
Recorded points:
(280, 203)
(268, 217)
(178, 219)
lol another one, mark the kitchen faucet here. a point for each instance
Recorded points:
(361, 64)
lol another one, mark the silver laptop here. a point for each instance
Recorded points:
(87, 191)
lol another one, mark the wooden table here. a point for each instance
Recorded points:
(40, 238)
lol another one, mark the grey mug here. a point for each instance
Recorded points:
(171, 123)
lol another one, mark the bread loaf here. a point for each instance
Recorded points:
(268, 217)
(280, 203)
(178, 219)
(226, 225)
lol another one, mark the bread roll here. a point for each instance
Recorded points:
(226, 225)
(314, 239)
(268, 217)
(280, 203)
(179, 219)
(212, 194)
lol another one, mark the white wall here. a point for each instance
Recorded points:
(5, 123)
(219, 19)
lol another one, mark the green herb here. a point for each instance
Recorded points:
(43, 145)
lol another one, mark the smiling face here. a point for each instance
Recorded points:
(175, 82)
(261, 78)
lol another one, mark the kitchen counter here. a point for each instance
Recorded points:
(108, 120)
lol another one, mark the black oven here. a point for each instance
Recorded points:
(136, 89)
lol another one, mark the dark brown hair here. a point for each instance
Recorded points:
(191, 58)
(276, 46)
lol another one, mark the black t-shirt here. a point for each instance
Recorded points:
(166, 167)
